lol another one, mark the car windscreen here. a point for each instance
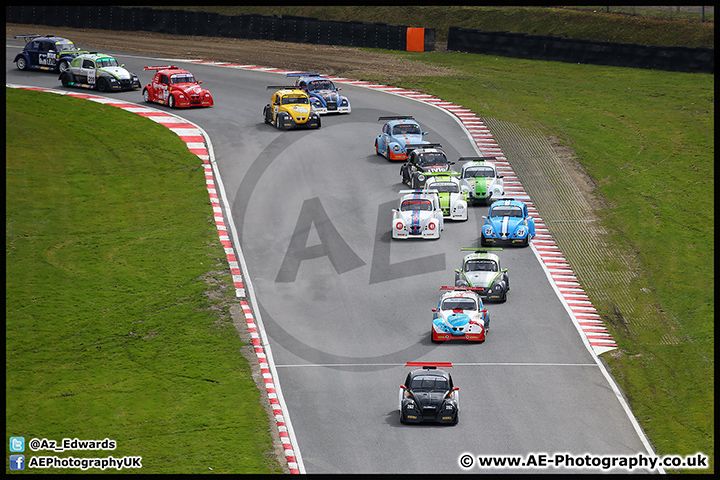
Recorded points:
(458, 304)
(321, 85)
(425, 159)
(429, 383)
(65, 47)
(106, 62)
(416, 204)
(481, 266)
(476, 172)
(289, 100)
(182, 78)
(445, 187)
(503, 211)
(406, 130)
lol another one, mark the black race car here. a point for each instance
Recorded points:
(422, 159)
(428, 395)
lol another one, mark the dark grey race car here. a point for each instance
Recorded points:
(428, 395)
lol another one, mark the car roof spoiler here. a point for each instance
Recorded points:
(429, 365)
(469, 289)
(481, 250)
(428, 191)
(161, 67)
(397, 117)
(413, 146)
(476, 159)
(30, 36)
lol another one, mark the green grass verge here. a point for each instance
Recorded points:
(570, 23)
(647, 139)
(111, 331)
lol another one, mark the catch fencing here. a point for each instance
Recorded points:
(287, 28)
(561, 49)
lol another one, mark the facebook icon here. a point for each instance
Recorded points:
(17, 462)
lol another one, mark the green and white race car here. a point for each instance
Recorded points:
(99, 72)
(481, 179)
(481, 271)
(453, 196)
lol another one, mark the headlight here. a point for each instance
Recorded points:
(421, 177)
(396, 147)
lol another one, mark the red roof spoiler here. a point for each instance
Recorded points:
(470, 289)
(162, 67)
(429, 364)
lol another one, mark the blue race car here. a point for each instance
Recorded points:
(508, 222)
(399, 133)
(323, 93)
(46, 53)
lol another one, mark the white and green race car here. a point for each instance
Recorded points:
(453, 195)
(98, 71)
(481, 271)
(481, 179)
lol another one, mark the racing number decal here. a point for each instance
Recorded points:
(91, 77)
(46, 59)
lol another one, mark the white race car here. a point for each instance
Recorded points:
(481, 179)
(460, 314)
(418, 215)
(453, 195)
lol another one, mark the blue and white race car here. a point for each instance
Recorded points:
(460, 314)
(399, 132)
(46, 52)
(419, 215)
(508, 222)
(323, 93)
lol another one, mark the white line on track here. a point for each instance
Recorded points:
(481, 364)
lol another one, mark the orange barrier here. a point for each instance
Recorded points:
(415, 39)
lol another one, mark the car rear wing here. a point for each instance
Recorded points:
(428, 191)
(468, 289)
(449, 173)
(29, 36)
(501, 199)
(397, 117)
(481, 250)
(283, 87)
(161, 67)
(413, 146)
(475, 159)
(429, 365)
(303, 75)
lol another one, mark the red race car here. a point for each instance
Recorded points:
(175, 87)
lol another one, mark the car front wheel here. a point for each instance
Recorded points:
(102, 85)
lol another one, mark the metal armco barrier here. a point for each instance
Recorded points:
(561, 49)
(287, 28)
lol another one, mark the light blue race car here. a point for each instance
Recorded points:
(508, 222)
(400, 134)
